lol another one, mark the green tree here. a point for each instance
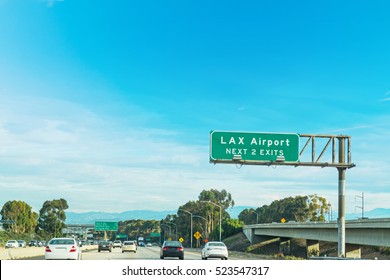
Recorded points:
(52, 216)
(231, 227)
(299, 208)
(318, 207)
(211, 211)
(25, 220)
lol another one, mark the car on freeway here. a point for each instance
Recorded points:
(63, 249)
(33, 243)
(117, 243)
(104, 246)
(22, 243)
(12, 244)
(148, 244)
(215, 249)
(172, 249)
(129, 246)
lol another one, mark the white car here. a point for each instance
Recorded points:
(215, 249)
(12, 244)
(63, 249)
(129, 246)
(117, 243)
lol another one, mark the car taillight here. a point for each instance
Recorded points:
(47, 249)
(73, 249)
(165, 248)
(180, 248)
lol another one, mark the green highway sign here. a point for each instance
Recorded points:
(7, 221)
(121, 235)
(155, 234)
(253, 146)
(108, 226)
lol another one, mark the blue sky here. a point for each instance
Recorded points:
(109, 104)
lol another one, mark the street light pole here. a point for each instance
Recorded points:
(257, 217)
(220, 217)
(196, 216)
(167, 227)
(191, 222)
(176, 228)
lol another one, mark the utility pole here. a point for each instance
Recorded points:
(361, 207)
(341, 201)
(191, 222)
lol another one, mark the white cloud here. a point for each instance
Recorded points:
(51, 149)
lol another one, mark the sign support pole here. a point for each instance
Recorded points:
(341, 201)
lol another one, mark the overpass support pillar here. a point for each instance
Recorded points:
(353, 251)
(312, 248)
(284, 246)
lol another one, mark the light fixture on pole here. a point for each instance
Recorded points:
(196, 216)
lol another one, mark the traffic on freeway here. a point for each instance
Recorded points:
(91, 252)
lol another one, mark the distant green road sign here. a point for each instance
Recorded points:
(155, 234)
(121, 235)
(224, 145)
(7, 221)
(108, 226)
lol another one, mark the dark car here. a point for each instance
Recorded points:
(22, 243)
(33, 243)
(172, 249)
(105, 246)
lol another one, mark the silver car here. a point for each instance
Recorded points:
(215, 249)
(12, 244)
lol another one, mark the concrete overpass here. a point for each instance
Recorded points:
(82, 230)
(373, 232)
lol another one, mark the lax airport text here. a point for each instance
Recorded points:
(256, 142)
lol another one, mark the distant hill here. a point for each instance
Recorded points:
(91, 217)
(374, 213)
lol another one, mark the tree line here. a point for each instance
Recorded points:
(49, 222)
(208, 215)
(212, 205)
(298, 209)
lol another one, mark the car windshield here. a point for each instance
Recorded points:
(173, 244)
(62, 242)
(216, 244)
(104, 243)
(128, 243)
